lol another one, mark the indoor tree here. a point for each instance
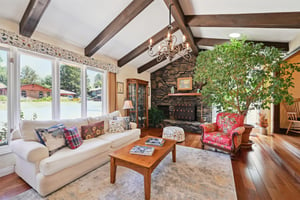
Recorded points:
(240, 76)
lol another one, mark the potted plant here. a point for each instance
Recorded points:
(240, 76)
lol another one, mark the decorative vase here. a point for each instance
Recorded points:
(245, 138)
(172, 90)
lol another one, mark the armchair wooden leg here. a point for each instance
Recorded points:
(289, 127)
(202, 146)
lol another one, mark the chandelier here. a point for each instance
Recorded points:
(167, 49)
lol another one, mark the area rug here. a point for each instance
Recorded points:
(197, 174)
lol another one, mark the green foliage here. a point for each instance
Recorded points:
(29, 76)
(241, 76)
(3, 98)
(156, 116)
(47, 81)
(98, 81)
(70, 78)
(3, 73)
(44, 99)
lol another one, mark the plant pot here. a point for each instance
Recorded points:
(245, 138)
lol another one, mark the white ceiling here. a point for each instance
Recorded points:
(79, 21)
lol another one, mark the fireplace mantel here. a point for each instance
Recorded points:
(184, 94)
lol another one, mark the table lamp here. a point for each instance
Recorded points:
(127, 105)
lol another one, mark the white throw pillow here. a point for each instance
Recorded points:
(116, 126)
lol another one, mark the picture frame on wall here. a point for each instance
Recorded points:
(185, 83)
(120, 87)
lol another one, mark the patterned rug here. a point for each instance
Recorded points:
(197, 174)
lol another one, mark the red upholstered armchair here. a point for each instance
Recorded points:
(225, 134)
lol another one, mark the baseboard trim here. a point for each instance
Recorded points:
(7, 170)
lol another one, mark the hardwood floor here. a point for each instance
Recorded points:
(259, 172)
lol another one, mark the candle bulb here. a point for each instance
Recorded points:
(187, 45)
(159, 47)
(183, 38)
(150, 41)
(169, 35)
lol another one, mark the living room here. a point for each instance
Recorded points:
(83, 62)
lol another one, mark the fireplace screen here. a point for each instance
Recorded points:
(185, 112)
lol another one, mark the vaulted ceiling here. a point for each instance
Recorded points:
(120, 29)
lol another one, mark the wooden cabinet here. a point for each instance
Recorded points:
(137, 92)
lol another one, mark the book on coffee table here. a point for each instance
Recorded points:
(142, 150)
(155, 141)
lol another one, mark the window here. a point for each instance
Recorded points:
(3, 98)
(33, 88)
(94, 85)
(35, 79)
(70, 90)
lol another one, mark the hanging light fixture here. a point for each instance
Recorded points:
(168, 48)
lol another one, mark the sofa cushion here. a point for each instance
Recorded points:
(218, 137)
(73, 138)
(66, 157)
(92, 130)
(78, 122)
(119, 139)
(52, 137)
(27, 128)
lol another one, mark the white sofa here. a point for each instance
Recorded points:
(47, 173)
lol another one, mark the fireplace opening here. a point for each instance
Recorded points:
(165, 109)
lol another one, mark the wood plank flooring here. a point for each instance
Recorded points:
(259, 172)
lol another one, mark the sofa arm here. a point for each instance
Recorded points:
(29, 150)
(239, 130)
(209, 127)
(133, 125)
(16, 134)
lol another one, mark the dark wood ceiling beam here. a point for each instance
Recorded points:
(144, 46)
(149, 65)
(129, 13)
(255, 20)
(178, 16)
(213, 41)
(32, 16)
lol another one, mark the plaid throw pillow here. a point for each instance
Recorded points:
(92, 130)
(72, 137)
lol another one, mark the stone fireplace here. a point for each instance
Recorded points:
(162, 81)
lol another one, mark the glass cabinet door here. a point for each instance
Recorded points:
(141, 106)
(137, 93)
(132, 97)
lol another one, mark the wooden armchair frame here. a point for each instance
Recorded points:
(293, 116)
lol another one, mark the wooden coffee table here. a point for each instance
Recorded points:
(141, 164)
